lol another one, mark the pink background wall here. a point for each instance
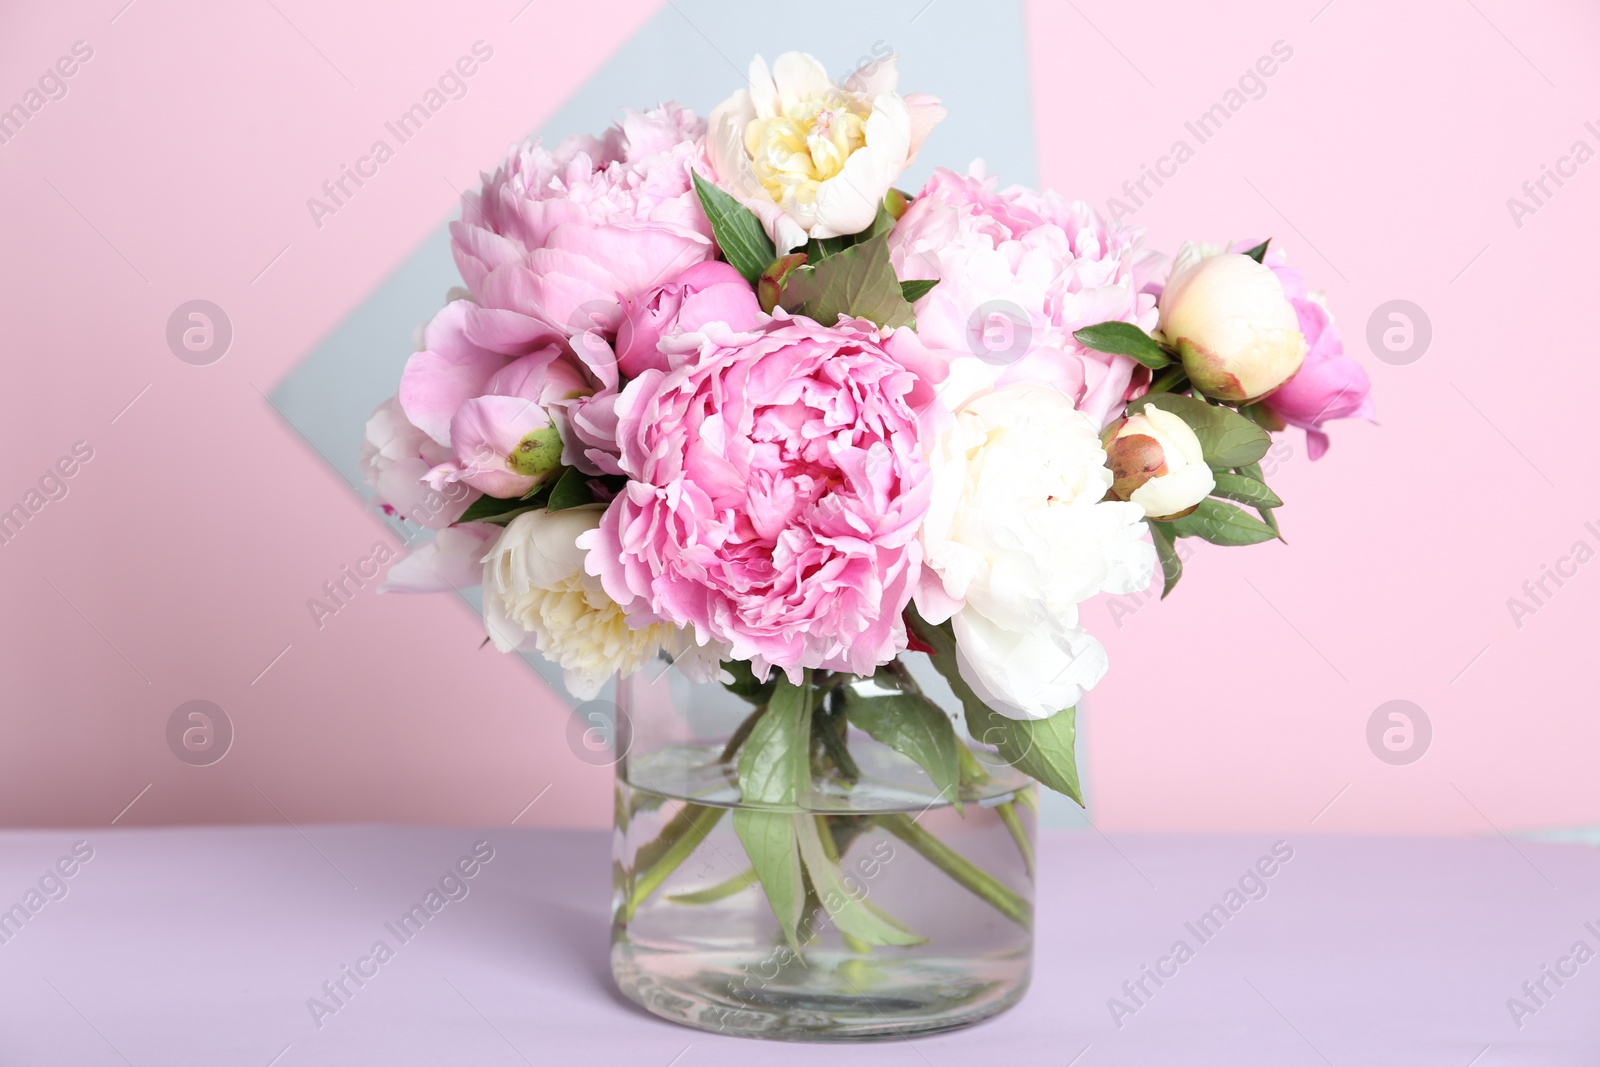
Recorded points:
(179, 564)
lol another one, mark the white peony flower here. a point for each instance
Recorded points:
(453, 559)
(1018, 534)
(812, 158)
(1229, 319)
(1157, 463)
(395, 458)
(535, 592)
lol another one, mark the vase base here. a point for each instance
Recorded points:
(834, 996)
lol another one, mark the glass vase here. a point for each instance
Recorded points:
(917, 907)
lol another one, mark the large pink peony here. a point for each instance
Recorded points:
(777, 483)
(1019, 272)
(558, 239)
(1329, 384)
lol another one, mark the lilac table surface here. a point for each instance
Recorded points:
(198, 946)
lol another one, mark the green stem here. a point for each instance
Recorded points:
(1019, 834)
(710, 895)
(740, 734)
(1170, 380)
(666, 853)
(1029, 798)
(829, 725)
(972, 772)
(972, 775)
(959, 868)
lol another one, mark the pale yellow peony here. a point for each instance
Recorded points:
(811, 158)
(535, 592)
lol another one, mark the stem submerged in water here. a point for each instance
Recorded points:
(678, 839)
(824, 739)
(1019, 834)
(959, 868)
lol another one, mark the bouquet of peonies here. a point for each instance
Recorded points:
(718, 391)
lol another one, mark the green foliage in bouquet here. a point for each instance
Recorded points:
(829, 277)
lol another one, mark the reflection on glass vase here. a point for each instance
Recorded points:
(906, 884)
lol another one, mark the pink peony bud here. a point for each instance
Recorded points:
(707, 292)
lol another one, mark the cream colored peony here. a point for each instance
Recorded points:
(1157, 463)
(536, 592)
(811, 158)
(1018, 534)
(1230, 320)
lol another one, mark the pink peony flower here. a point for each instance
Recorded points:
(1020, 271)
(557, 240)
(489, 411)
(707, 292)
(1329, 384)
(447, 371)
(777, 482)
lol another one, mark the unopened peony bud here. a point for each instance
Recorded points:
(1230, 321)
(538, 454)
(769, 287)
(1156, 462)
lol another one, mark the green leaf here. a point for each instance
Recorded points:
(1043, 749)
(1253, 470)
(740, 235)
(1222, 524)
(1259, 251)
(882, 223)
(820, 248)
(917, 288)
(775, 765)
(854, 916)
(909, 723)
(1171, 566)
(571, 490)
(858, 282)
(1246, 490)
(769, 840)
(1227, 438)
(745, 684)
(494, 509)
(1124, 339)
